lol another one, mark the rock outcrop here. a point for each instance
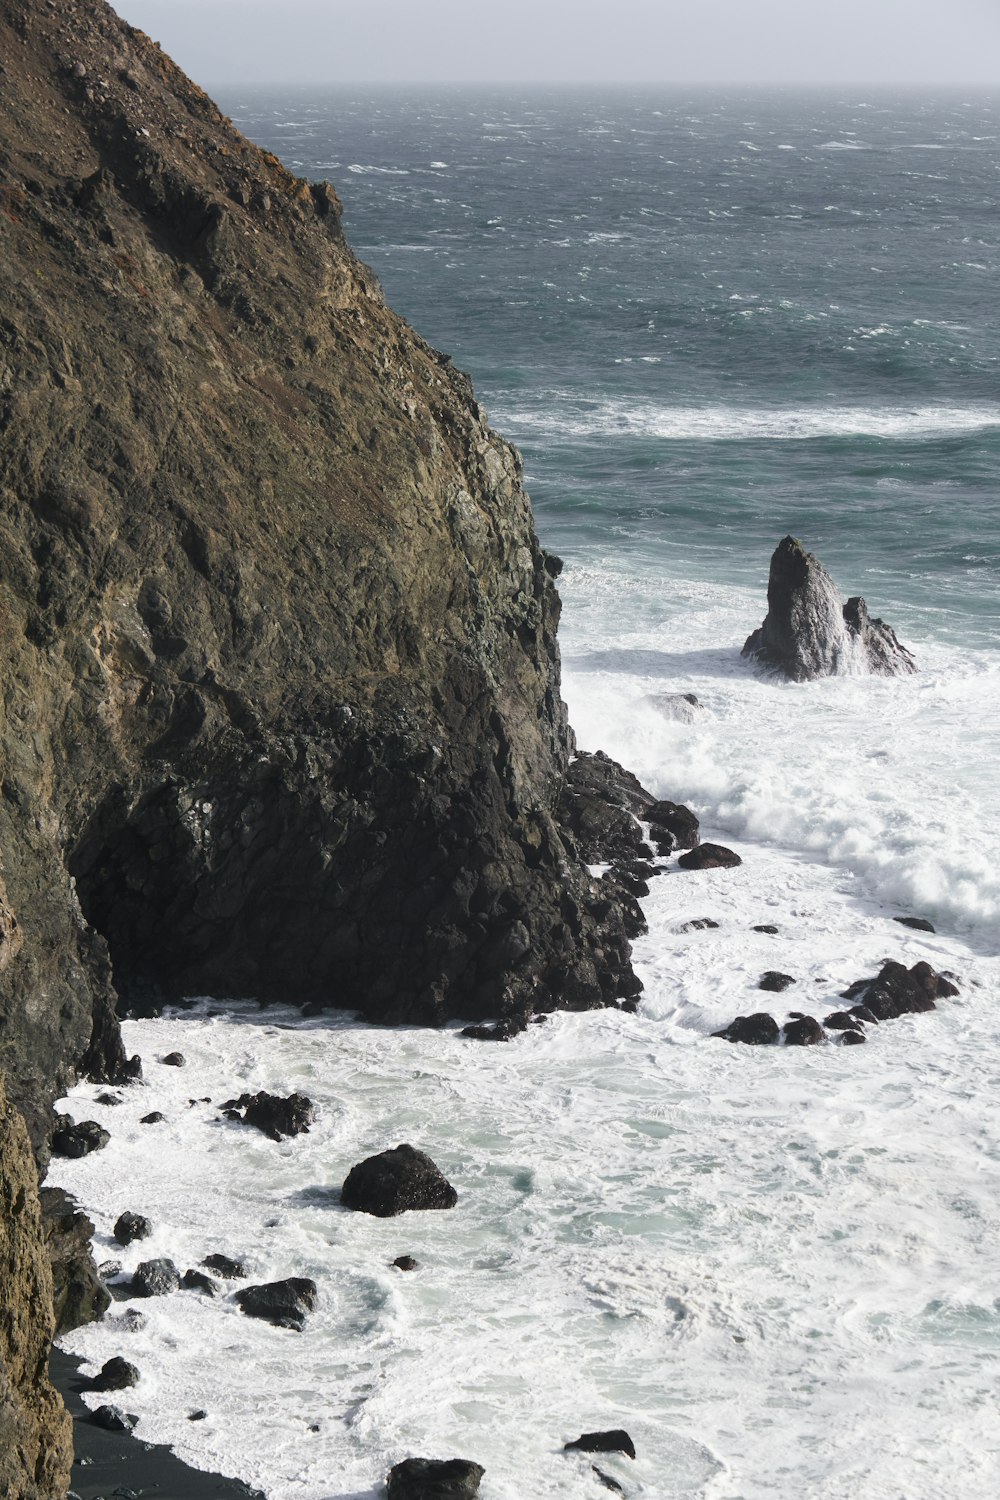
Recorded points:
(808, 632)
(282, 692)
(280, 710)
(36, 1448)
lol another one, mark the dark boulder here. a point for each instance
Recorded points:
(898, 991)
(809, 633)
(275, 1116)
(396, 1181)
(775, 981)
(503, 1031)
(283, 1303)
(685, 708)
(803, 1031)
(759, 1030)
(113, 1419)
(434, 1479)
(174, 1060)
(405, 1263)
(197, 1281)
(709, 857)
(115, 1375)
(672, 826)
(600, 806)
(233, 1270)
(69, 1139)
(155, 1278)
(78, 1294)
(616, 1440)
(130, 1226)
(768, 927)
(864, 1014)
(698, 924)
(842, 1020)
(919, 924)
(153, 1118)
(852, 1038)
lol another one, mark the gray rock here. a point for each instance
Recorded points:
(155, 1278)
(809, 633)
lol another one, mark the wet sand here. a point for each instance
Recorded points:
(110, 1464)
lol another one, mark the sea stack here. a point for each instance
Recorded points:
(281, 697)
(809, 632)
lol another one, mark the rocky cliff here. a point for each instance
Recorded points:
(35, 1431)
(280, 708)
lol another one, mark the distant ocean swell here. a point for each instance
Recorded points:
(560, 416)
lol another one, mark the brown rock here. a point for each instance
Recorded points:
(36, 1437)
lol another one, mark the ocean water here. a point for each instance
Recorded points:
(706, 321)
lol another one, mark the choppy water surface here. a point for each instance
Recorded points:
(706, 322)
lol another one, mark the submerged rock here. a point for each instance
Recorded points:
(396, 1182)
(233, 1270)
(919, 924)
(809, 633)
(684, 708)
(709, 857)
(197, 1281)
(775, 981)
(270, 1113)
(616, 1440)
(434, 1479)
(758, 1030)
(283, 1303)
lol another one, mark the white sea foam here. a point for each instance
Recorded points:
(774, 1267)
(560, 416)
(888, 779)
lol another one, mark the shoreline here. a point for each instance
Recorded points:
(105, 1463)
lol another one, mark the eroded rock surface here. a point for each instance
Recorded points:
(36, 1445)
(808, 632)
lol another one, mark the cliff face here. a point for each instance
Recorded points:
(35, 1432)
(280, 707)
(281, 713)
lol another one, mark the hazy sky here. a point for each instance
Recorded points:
(684, 41)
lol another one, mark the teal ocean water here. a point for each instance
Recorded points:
(705, 321)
